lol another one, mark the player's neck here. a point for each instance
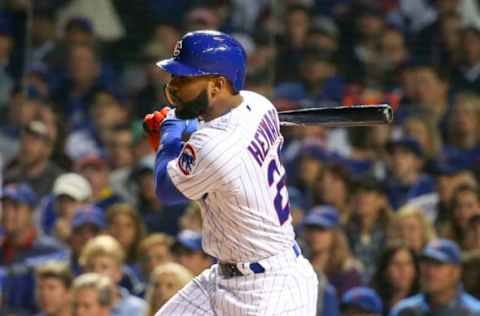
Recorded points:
(222, 105)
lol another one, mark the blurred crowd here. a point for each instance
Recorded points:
(389, 216)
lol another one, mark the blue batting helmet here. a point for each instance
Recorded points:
(203, 53)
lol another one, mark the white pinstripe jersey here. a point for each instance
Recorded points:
(231, 167)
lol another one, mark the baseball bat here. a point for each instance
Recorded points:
(342, 116)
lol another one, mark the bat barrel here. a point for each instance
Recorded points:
(358, 115)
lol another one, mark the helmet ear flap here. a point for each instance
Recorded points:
(239, 79)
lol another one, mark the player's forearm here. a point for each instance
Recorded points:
(170, 147)
(164, 188)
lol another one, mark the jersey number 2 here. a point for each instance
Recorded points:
(274, 175)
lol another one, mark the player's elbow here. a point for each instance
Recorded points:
(166, 198)
(166, 191)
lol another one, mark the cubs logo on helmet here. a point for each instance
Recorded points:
(176, 50)
(187, 159)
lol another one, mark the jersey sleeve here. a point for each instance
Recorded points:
(206, 162)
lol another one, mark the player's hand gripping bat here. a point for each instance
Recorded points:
(342, 116)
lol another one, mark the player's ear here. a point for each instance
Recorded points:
(218, 84)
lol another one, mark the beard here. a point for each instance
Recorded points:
(193, 108)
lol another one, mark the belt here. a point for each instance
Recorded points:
(230, 270)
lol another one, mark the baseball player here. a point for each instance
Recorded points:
(231, 167)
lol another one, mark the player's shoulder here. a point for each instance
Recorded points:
(212, 136)
(255, 99)
(203, 136)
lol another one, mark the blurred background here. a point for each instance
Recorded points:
(78, 76)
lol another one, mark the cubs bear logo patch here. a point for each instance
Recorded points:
(187, 159)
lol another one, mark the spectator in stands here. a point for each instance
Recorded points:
(464, 205)
(22, 246)
(119, 147)
(468, 76)
(160, 46)
(448, 177)
(306, 170)
(71, 191)
(462, 142)
(79, 31)
(440, 281)
(322, 81)
(261, 82)
(471, 273)
(405, 165)
(396, 276)
(192, 219)
(53, 283)
(449, 49)
(141, 146)
(426, 135)
(126, 181)
(202, 17)
(367, 147)
(261, 60)
(327, 302)
(43, 36)
(431, 94)
(95, 169)
(124, 223)
(75, 96)
(33, 163)
(328, 250)
(393, 54)
(324, 34)
(6, 47)
(21, 238)
(166, 280)
(36, 83)
(55, 126)
(104, 255)
(361, 301)
(298, 208)
(428, 40)
(156, 216)
(154, 250)
(12, 119)
(105, 113)
(92, 295)
(412, 226)
(363, 55)
(292, 42)
(76, 31)
(368, 224)
(332, 188)
(319, 81)
(189, 253)
(87, 223)
(472, 235)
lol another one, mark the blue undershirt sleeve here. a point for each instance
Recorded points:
(170, 147)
